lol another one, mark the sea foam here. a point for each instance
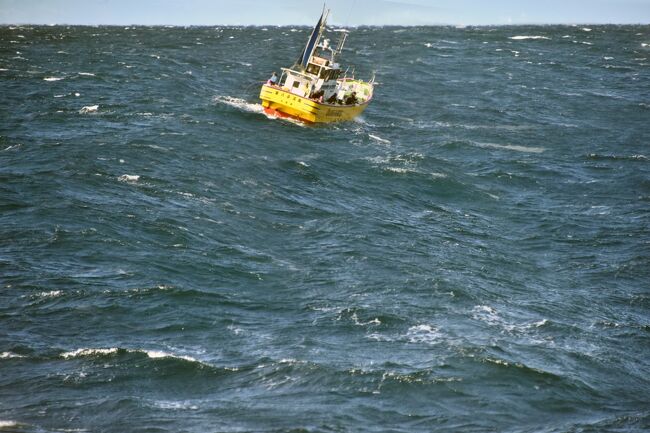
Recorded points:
(9, 355)
(516, 148)
(239, 104)
(89, 109)
(153, 354)
(129, 178)
(523, 37)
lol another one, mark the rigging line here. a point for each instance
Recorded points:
(347, 20)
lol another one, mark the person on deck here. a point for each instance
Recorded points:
(352, 99)
(317, 95)
(273, 80)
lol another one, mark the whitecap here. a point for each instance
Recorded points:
(521, 38)
(130, 178)
(48, 294)
(598, 210)
(89, 109)
(423, 334)
(235, 330)
(586, 29)
(400, 170)
(517, 148)
(86, 74)
(8, 355)
(486, 313)
(379, 139)
(375, 336)
(540, 323)
(153, 354)
(291, 361)
(88, 352)
(357, 322)
(156, 354)
(489, 315)
(5, 424)
(175, 405)
(497, 361)
(52, 78)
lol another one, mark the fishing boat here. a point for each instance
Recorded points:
(315, 89)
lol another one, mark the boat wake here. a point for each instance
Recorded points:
(239, 104)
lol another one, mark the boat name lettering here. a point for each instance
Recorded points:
(333, 113)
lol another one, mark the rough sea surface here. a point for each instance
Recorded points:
(471, 255)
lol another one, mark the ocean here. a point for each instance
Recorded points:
(472, 254)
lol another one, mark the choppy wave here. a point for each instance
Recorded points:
(596, 156)
(103, 352)
(423, 334)
(46, 294)
(9, 355)
(173, 260)
(129, 178)
(523, 37)
(516, 148)
(89, 352)
(89, 109)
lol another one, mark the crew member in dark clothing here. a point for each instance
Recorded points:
(352, 99)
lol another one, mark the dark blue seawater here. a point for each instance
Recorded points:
(472, 255)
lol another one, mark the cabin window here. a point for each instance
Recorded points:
(332, 74)
(296, 84)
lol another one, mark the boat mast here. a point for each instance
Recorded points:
(314, 39)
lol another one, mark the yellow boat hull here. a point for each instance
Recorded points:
(282, 103)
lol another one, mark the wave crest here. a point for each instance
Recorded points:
(94, 352)
(525, 37)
